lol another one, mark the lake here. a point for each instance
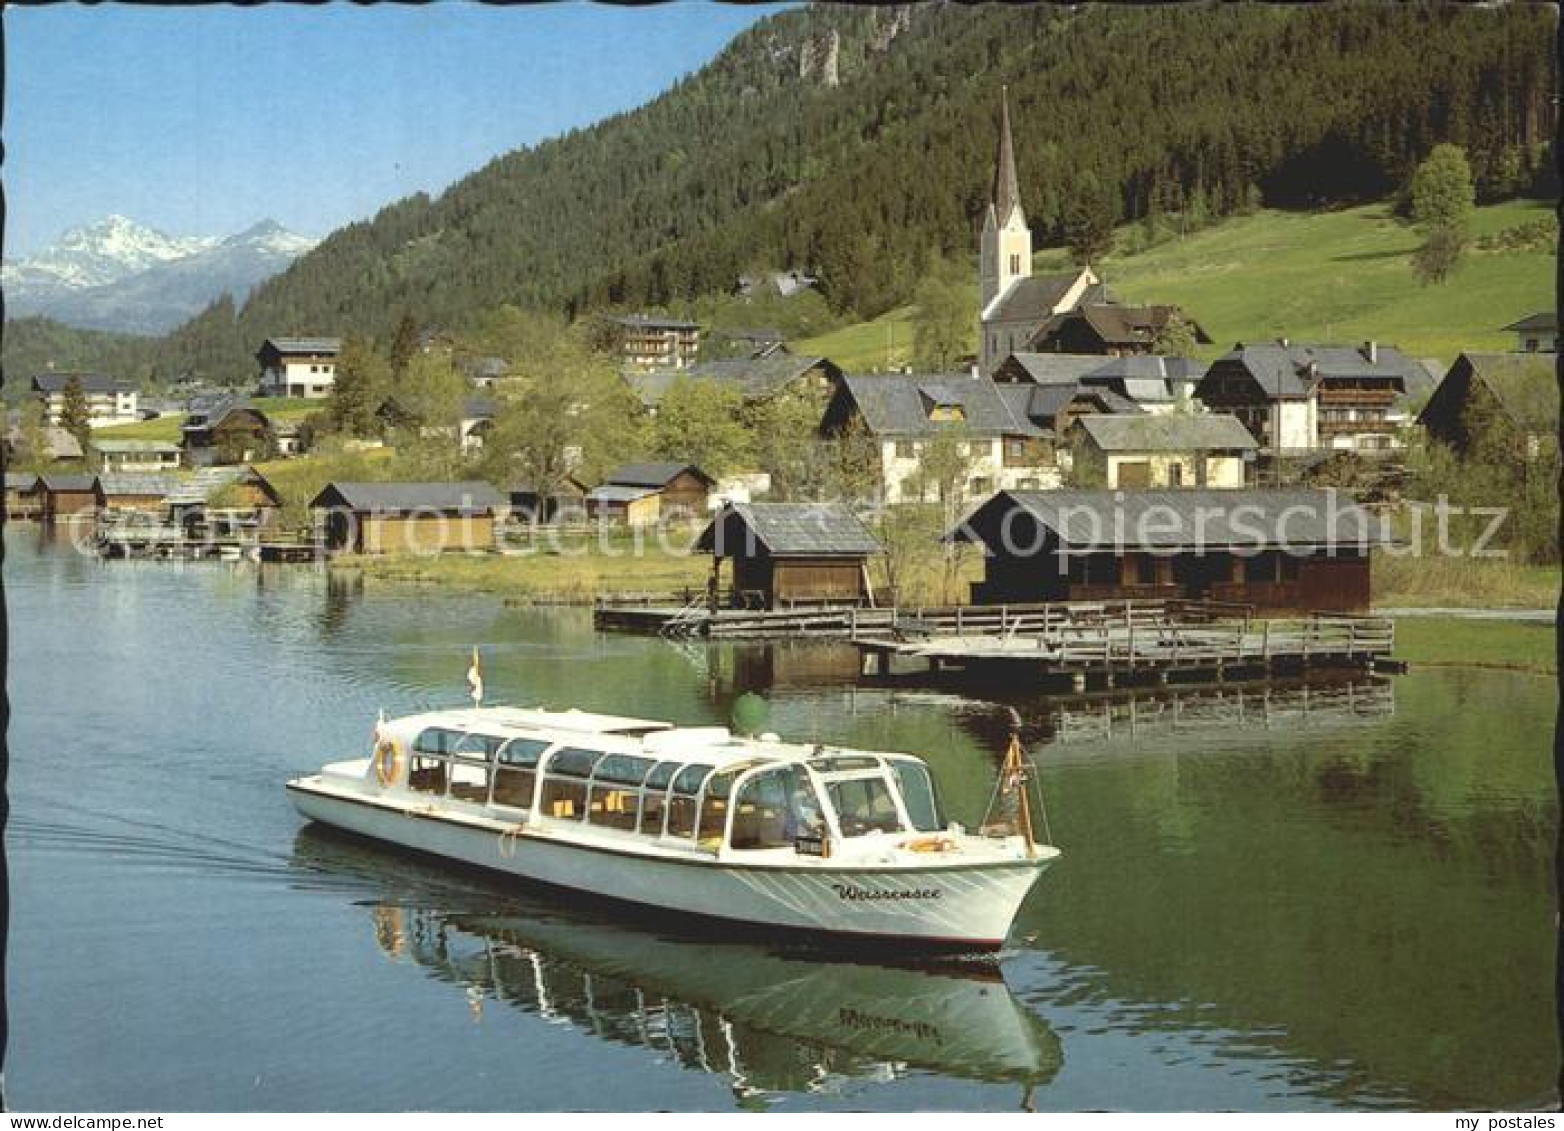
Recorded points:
(1332, 897)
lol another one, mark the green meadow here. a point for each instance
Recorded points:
(1338, 276)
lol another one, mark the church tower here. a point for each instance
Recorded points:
(1006, 251)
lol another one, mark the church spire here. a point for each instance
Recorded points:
(1007, 193)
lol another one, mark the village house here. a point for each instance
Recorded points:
(1517, 390)
(1536, 333)
(226, 430)
(1142, 450)
(1111, 328)
(639, 494)
(787, 554)
(1150, 383)
(65, 496)
(650, 342)
(755, 344)
(1277, 551)
(483, 372)
(22, 500)
(1301, 398)
(109, 399)
(906, 415)
(136, 455)
(298, 367)
(414, 518)
(753, 379)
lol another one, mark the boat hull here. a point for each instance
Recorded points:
(944, 906)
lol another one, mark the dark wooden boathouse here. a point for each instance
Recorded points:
(1278, 551)
(787, 554)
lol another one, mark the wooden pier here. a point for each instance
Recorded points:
(1077, 646)
(1082, 656)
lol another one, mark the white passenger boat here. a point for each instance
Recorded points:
(694, 820)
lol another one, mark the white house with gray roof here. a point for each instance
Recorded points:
(109, 399)
(1295, 397)
(298, 367)
(905, 415)
(1158, 451)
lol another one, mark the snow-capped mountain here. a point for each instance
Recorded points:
(119, 275)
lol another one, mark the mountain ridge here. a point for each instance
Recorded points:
(117, 275)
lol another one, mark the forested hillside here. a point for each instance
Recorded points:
(857, 142)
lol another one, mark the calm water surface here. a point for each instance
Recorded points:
(1338, 899)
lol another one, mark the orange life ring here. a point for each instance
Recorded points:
(389, 758)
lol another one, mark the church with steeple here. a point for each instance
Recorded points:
(1015, 303)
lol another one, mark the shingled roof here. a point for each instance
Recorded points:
(1042, 404)
(898, 404)
(753, 378)
(155, 484)
(1120, 324)
(1289, 372)
(91, 383)
(1545, 320)
(814, 530)
(653, 475)
(1167, 433)
(1032, 297)
(1176, 519)
(466, 497)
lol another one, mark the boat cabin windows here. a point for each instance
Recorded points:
(437, 740)
(863, 805)
(774, 808)
(616, 791)
(682, 799)
(516, 771)
(917, 795)
(469, 770)
(565, 782)
(654, 800)
(714, 808)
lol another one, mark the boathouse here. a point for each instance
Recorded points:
(787, 554)
(1278, 551)
(413, 518)
(21, 495)
(64, 496)
(641, 493)
(145, 491)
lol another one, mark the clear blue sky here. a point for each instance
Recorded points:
(201, 121)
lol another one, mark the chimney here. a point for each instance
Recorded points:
(1371, 351)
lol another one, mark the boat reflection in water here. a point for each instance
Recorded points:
(770, 1019)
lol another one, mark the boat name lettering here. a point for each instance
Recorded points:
(856, 1019)
(850, 893)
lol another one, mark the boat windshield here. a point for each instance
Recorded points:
(917, 795)
(863, 805)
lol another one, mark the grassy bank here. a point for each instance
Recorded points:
(1462, 583)
(1340, 276)
(1455, 642)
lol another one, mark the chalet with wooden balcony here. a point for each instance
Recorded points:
(1304, 398)
(650, 342)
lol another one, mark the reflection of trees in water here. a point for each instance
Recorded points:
(1336, 881)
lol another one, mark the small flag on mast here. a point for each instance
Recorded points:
(475, 678)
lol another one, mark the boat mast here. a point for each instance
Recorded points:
(1014, 778)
